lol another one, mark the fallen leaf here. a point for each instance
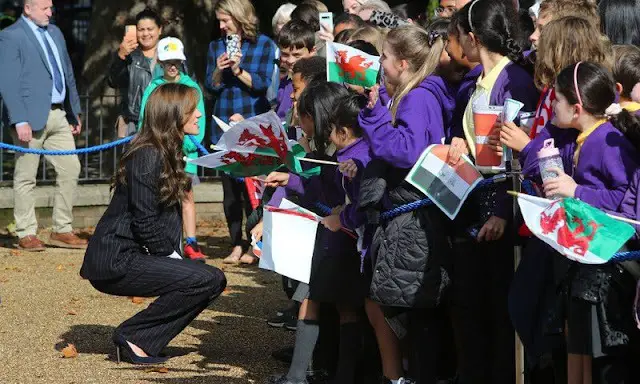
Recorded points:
(15, 252)
(3, 280)
(157, 370)
(60, 267)
(69, 351)
(71, 313)
(137, 300)
(228, 292)
(75, 299)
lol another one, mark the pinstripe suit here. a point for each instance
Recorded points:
(126, 256)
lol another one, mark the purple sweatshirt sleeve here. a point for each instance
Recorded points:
(630, 207)
(513, 83)
(418, 124)
(529, 156)
(279, 194)
(616, 167)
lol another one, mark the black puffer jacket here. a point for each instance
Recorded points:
(132, 76)
(409, 252)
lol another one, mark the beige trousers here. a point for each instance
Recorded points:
(55, 136)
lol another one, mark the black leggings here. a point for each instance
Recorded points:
(235, 200)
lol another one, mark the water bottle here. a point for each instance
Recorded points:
(549, 157)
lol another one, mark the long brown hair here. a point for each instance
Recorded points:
(167, 111)
(566, 41)
(421, 51)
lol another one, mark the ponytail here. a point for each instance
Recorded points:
(421, 50)
(629, 125)
(495, 25)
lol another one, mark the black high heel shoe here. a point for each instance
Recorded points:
(124, 352)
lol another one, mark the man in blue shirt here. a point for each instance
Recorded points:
(42, 107)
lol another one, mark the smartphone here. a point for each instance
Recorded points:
(326, 21)
(130, 32)
(233, 45)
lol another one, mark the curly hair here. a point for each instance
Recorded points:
(244, 13)
(168, 110)
(566, 41)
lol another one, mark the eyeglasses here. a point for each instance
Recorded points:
(172, 63)
(447, 11)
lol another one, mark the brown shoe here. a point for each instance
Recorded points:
(67, 240)
(31, 243)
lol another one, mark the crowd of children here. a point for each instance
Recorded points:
(419, 297)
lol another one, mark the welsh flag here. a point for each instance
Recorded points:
(256, 146)
(255, 189)
(572, 227)
(352, 66)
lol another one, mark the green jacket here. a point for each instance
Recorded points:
(190, 150)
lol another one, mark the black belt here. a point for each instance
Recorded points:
(56, 106)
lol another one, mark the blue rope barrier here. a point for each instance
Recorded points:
(80, 151)
(417, 204)
(625, 256)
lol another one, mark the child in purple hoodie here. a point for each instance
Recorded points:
(602, 162)
(328, 114)
(488, 33)
(406, 276)
(296, 41)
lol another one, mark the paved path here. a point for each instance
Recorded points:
(46, 305)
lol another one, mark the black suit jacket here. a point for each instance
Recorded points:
(135, 224)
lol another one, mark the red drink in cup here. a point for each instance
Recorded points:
(484, 121)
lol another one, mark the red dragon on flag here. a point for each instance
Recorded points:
(578, 240)
(355, 67)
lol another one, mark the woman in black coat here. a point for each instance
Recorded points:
(135, 250)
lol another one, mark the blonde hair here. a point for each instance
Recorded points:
(374, 5)
(319, 5)
(244, 13)
(369, 34)
(412, 43)
(566, 41)
(586, 9)
(283, 13)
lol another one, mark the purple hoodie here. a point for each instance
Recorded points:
(284, 103)
(607, 164)
(465, 90)
(361, 154)
(514, 82)
(420, 121)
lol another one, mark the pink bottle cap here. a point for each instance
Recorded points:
(548, 149)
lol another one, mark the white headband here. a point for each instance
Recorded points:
(469, 15)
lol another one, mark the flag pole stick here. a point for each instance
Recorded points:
(540, 199)
(318, 161)
(517, 256)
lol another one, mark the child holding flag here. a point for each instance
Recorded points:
(335, 274)
(602, 161)
(415, 272)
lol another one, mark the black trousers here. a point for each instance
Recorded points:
(234, 201)
(485, 339)
(185, 288)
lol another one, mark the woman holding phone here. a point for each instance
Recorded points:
(239, 72)
(134, 66)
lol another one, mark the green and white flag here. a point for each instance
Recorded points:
(256, 146)
(352, 66)
(572, 227)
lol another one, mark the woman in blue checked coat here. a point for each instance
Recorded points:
(239, 84)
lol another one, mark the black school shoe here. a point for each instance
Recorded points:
(283, 317)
